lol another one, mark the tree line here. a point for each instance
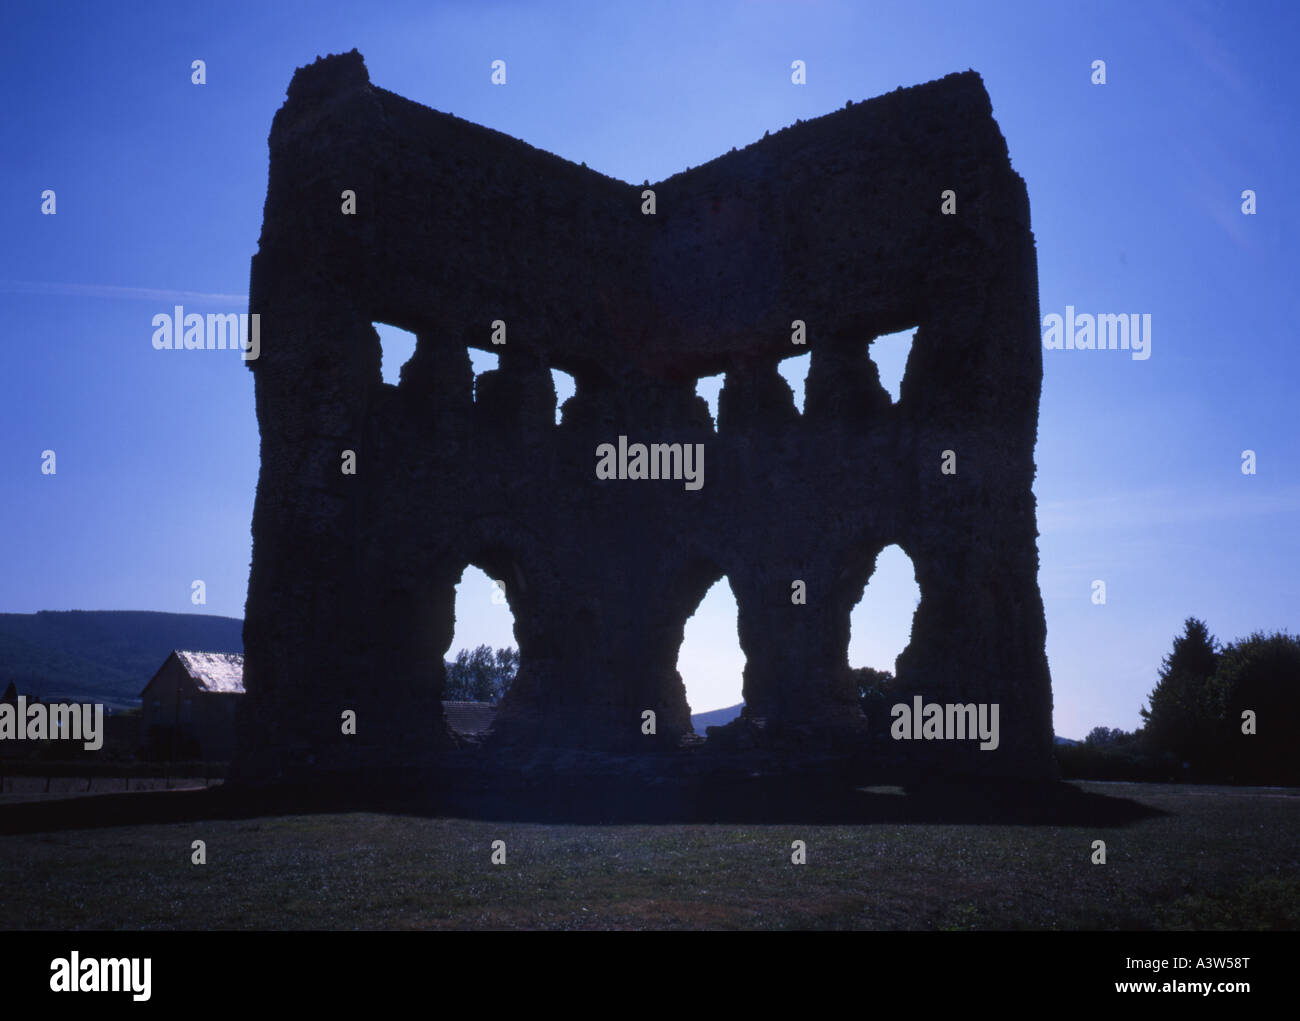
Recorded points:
(480, 675)
(1217, 714)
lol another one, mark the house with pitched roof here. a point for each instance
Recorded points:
(188, 707)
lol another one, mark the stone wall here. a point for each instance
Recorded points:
(836, 222)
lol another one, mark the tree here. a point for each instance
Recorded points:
(874, 688)
(1185, 707)
(1261, 675)
(1107, 736)
(479, 675)
(507, 666)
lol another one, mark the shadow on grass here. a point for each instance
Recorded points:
(759, 801)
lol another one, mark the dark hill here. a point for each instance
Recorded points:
(102, 655)
(715, 718)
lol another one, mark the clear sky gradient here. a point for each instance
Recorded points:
(1135, 188)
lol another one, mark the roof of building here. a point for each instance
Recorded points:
(469, 717)
(217, 673)
(222, 673)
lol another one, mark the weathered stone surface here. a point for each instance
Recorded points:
(836, 222)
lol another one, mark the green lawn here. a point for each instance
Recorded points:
(1220, 858)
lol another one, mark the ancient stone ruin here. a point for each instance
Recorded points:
(837, 222)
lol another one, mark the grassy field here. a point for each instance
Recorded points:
(1199, 857)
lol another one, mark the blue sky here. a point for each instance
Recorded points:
(1135, 188)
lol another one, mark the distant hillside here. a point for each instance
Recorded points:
(102, 655)
(715, 718)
